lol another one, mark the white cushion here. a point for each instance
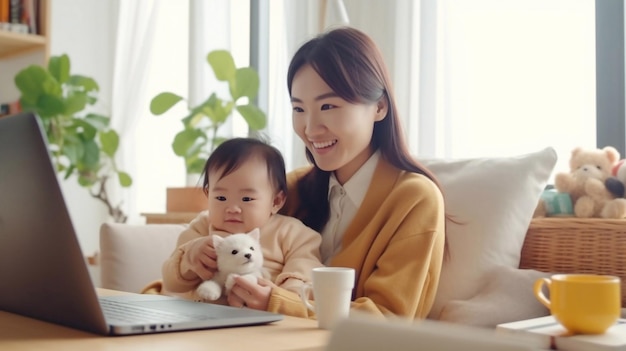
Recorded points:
(131, 256)
(493, 200)
(506, 295)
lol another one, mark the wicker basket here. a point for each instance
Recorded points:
(577, 245)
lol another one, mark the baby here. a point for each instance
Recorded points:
(245, 181)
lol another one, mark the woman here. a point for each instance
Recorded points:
(376, 208)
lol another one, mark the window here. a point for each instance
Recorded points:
(518, 76)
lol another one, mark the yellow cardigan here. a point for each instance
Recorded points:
(395, 243)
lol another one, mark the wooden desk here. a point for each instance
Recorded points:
(21, 333)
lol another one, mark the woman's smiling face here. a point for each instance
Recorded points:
(336, 132)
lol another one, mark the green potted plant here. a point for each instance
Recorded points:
(200, 126)
(81, 143)
(199, 135)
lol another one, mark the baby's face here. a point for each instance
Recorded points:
(242, 200)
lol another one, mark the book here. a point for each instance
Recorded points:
(551, 335)
(20, 16)
(15, 11)
(4, 11)
(29, 16)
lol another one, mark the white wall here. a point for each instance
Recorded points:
(85, 30)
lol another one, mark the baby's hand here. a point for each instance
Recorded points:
(201, 255)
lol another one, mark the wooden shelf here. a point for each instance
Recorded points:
(13, 44)
(19, 50)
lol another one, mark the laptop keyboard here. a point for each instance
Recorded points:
(116, 311)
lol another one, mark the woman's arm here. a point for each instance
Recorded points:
(401, 285)
(405, 279)
(398, 250)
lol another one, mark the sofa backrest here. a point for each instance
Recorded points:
(131, 256)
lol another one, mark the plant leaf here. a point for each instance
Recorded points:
(85, 130)
(253, 115)
(75, 102)
(86, 179)
(68, 171)
(91, 155)
(57, 98)
(196, 150)
(217, 109)
(99, 122)
(184, 140)
(51, 86)
(59, 68)
(163, 102)
(29, 82)
(50, 105)
(196, 166)
(110, 141)
(223, 65)
(82, 83)
(246, 83)
(125, 179)
(188, 120)
(73, 148)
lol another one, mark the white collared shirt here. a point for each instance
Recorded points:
(344, 202)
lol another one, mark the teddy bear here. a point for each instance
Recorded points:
(585, 183)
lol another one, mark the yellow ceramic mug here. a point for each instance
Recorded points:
(582, 303)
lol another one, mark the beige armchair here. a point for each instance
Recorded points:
(131, 255)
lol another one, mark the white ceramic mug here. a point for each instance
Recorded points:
(332, 293)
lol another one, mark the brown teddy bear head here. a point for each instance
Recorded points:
(593, 163)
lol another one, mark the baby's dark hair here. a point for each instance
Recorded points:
(232, 153)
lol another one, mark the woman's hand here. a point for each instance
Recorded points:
(202, 257)
(249, 294)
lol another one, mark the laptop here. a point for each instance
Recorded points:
(42, 269)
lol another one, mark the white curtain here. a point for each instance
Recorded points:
(133, 52)
(501, 78)
(206, 36)
(273, 73)
(150, 57)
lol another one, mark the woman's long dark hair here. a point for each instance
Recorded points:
(352, 65)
